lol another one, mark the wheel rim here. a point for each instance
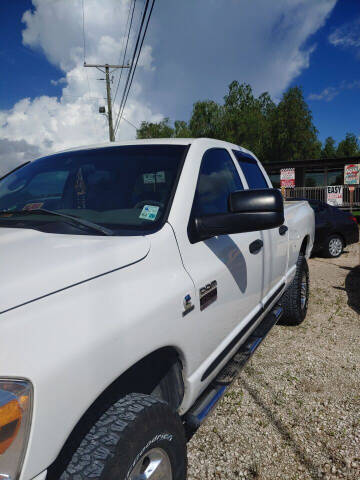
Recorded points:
(304, 291)
(335, 246)
(153, 465)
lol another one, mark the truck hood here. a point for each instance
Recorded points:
(34, 264)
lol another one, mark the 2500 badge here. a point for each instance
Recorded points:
(208, 294)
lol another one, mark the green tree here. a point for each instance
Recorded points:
(246, 118)
(206, 120)
(182, 129)
(348, 147)
(329, 149)
(155, 130)
(294, 136)
(273, 132)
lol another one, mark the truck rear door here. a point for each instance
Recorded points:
(276, 240)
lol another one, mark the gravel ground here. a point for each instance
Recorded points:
(294, 412)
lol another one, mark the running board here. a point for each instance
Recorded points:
(207, 401)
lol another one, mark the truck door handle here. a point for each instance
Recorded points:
(283, 229)
(256, 246)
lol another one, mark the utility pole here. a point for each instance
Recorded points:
(108, 91)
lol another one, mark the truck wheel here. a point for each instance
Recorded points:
(334, 246)
(295, 299)
(137, 438)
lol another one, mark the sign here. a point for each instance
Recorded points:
(352, 174)
(287, 177)
(158, 177)
(335, 195)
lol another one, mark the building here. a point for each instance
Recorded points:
(313, 176)
(312, 173)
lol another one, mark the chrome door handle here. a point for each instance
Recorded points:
(256, 246)
(283, 229)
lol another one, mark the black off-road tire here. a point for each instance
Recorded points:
(133, 426)
(294, 309)
(328, 251)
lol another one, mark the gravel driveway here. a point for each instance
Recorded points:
(294, 412)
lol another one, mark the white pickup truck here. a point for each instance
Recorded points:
(138, 278)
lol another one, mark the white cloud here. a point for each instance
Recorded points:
(193, 51)
(292, 23)
(329, 93)
(15, 152)
(348, 35)
(51, 123)
(200, 47)
(58, 82)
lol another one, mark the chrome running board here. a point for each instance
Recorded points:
(207, 401)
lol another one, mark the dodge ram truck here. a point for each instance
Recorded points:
(138, 279)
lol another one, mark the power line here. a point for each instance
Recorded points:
(133, 72)
(127, 41)
(137, 128)
(108, 92)
(84, 45)
(132, 63)
(133, 68)
(83, 25)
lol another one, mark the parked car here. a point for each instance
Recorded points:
(138, 279)
(334, 229)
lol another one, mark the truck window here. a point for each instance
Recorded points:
(254, 176)
(217, 179)
(121, 188)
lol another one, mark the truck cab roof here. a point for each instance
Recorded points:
(210, 142)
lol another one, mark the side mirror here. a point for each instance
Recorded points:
(249, 211)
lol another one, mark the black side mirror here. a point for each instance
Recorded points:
(249, 211)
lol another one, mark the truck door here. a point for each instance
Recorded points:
(227, 276)
(276, 240)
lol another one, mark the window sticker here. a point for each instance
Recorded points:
(160, 177)
(149, 212)
(33, 206)
(149, 177)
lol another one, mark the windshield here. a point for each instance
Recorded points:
(122, 188)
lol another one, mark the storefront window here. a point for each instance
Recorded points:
(314, 179)
(335, 177)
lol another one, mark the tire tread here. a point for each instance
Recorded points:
(99, 446)
(290, 300)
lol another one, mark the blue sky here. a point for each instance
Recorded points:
(18, 60)
(330, 66)
(193, 51)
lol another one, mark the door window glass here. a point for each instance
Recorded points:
(254, 176)
(218, 178)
